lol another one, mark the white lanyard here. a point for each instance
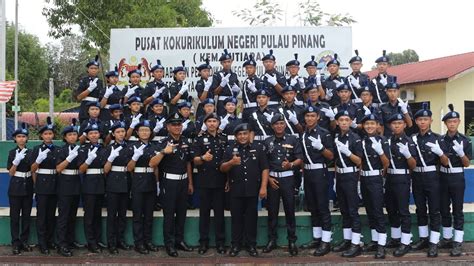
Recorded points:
(259, 124)
(286, 120)
(305, 149)
(391, 156)
(340, 155)
(352, 89)
(366, 156)
(377, 89)
(415, 139)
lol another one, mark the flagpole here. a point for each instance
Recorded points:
(3, 126)
(16, 64)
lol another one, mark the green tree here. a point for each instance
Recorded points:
(407, 56)
(263, 12)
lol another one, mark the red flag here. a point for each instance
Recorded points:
(6, 90)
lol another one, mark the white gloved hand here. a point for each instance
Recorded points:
(366, 110)
(458, 148)
(224, 80)
(316, 142)
(271, 79)
(185, 125)
(318, 79)
(268, 117)
(73, 152)
(159, 125)
(235, 88)
(293, 81)
(42, 155)
(251, 85)
(158, 92)
(184, 88)
(131, 91)
(91, 155)
(329, 94)
(354, 123)
(135, 121)
(19, 155)
(328, 113)
(383, 79)
(92, 85)
(207, 84)
(138, 152)
(301, 82)
(224, 122)
(292, 117)
(114, 153)
(435, 148)
(403, 105)
(343, 148)
(377, 146)
(337, 82)
(354, 82)
(404, 150)
(109, 91)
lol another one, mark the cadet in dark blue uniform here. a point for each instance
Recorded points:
(348, 158)
(154, 89)
(230, 120)
(274, 81)
(208, 151)
(116, 187)
(143, 187)
(425, 182)
(292, 113)
(44, 177)
(333, 82)
(259, 122)
(249, 89)
(224, 82)
(208, 107)
(94, 114)
(178, 91)
(314, 79)
(134, 89)
(382, 79)
(374, 164)
(247, 167)
(111, 95)
(116, 115)
(391, 107)
(356, 78)
(189, 130)
(458, 148)
(90, 88)
(344, 95)
(318, 148)
(203, 86)
(326, 114)
(91, 164)
(295, 81)
(20, 191)
(174, 162)
(284, 155)
(397, 185)
(366, 107)
(133, 118)
(157, 119)
(68, 189)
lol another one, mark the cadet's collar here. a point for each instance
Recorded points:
(49, 146)
(334, 77)
(428, 133)
(244, 146)
(96, 145)
(280, 138)
(355, 74)
(122, 143)
(158, 81)
(455, 136)
(143, 143)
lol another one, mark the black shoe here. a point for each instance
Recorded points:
(234, 251)
(271, 245)
(432, 250)
(203, 248)
(293, 249)
(113, 250)
(141, 249)
(445, 243)
(313, 244)
(16, 250)
(370, 247)
(76, 244)
(44, 250)
(457, 249)
(183, 246)
(353, 251)
(65, 252)
(151, 247)
(323, 249)
(221, 249)
(252, 251)
(421, 244)
(124, 246)
(25, 247)
(402, 250)
(53, 245)
(380, 254)
(171, 251)
(93, 248)
(101, 245)
(343, 246)
(393, 243)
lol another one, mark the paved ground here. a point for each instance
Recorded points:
(279, 256)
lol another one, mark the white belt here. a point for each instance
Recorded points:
(95, 171)
(70, 172)
(107, 106)
(223, 98)
(133, 138)
(46, 171)
(421, 169)
(230, 137)
(181, 100)
(282, 174)
(345, 170)
(299, 103)
(22, 174)
(331, 169)
(398, 171)
(273, 102)
(144, 170)
(314, 166)
(261, 138)
(250, 105)
(371, 173)
(158, 138)
(175, 176)
(118, 168)
(91, 99)
(451, 170)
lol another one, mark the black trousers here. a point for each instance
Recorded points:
(348, 198)
(143, 204)
(211, 198)
(286, 193)
(116, 217)
(20, 218)
(92, 217)
(175, 196)
(426, 191)
(397, 200)
(316, 184)
(67, 213)
(372, 194)
(45, 218)
(452, 192)
(244, 215)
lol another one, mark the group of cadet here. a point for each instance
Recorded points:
(140, 145)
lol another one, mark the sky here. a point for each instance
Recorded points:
(431, 28)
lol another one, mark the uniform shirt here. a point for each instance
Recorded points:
(370, 155)
(229, 129)
(387, 110)
(20, 186)
(397, 159)
(114, 98)
(258, 122)
(189, 130)
(216, 81)
(362, 78)
(103, 131)
(107, 125)
(92, 183)
(274, 95)
(296, 109)
(448, 150)
(143, 182)
(247, 95)
(169, 93)
(117, 182)
(280, 149)
(329, 86)
(379, 92)
(299, 100)
(351, 108)
(355, 146)
(312, 155)
(209, 174)
(177, 161)
(68, 184)
(153, 86)
(244, 179)
(96, 93)
(139, 91)
(324, 121)
(360, 112)
(429, 157)
(163, 131)
(45, 184)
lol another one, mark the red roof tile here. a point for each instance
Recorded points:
(431, 70)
